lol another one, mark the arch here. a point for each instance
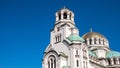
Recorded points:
(99, 41)
(59, 16)
(65, 15)
(114, 60)
(77, 63)
(90, 41)
(95, 41)
(52, 61)
(109, 61)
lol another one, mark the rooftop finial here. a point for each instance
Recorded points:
(64, 7)
(91, 30)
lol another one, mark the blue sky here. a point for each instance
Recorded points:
(25, 26)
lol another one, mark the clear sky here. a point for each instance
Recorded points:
(25, 27)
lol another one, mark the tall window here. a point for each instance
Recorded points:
(76, 52)
(95, 41)
(65, 15)
(90, 41)
(77, 63)
(59, 16)
(99, 41)
(109, 62)
(114, 61)
(51, 62)
(58, 38)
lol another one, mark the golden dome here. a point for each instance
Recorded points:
(93, 35)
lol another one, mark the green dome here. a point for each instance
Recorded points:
(75, 38)
(92, 53)
(112, 54)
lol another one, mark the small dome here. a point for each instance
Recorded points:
(112, 54)
(74, 37)
(93, 34)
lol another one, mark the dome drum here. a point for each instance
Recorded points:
(64, 14)
(94, 38)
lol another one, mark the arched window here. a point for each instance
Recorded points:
(114, 59)
(109, 62)
(52, 62)
(95, 41)
(65, 15)
(77, 63)
(56, 39)
(90, 41)
(59, 16)
(99, 41)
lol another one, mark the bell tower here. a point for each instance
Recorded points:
(63, 25)
(65, 15)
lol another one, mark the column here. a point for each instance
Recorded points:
(112, 62)
(53, 63)
(50, 64)
(92, 40)
(87, 41)
(117, 61)
(61, 16)
(97, 40)
(68, 16)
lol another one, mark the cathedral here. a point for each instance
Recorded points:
(69, 50)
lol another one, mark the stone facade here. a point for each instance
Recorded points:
(68, 50)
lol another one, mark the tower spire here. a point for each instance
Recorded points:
(64, 7)
(91, 30)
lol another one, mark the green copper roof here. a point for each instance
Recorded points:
(92, 54)
(112, 54)
(75, 37)
(66, 67)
